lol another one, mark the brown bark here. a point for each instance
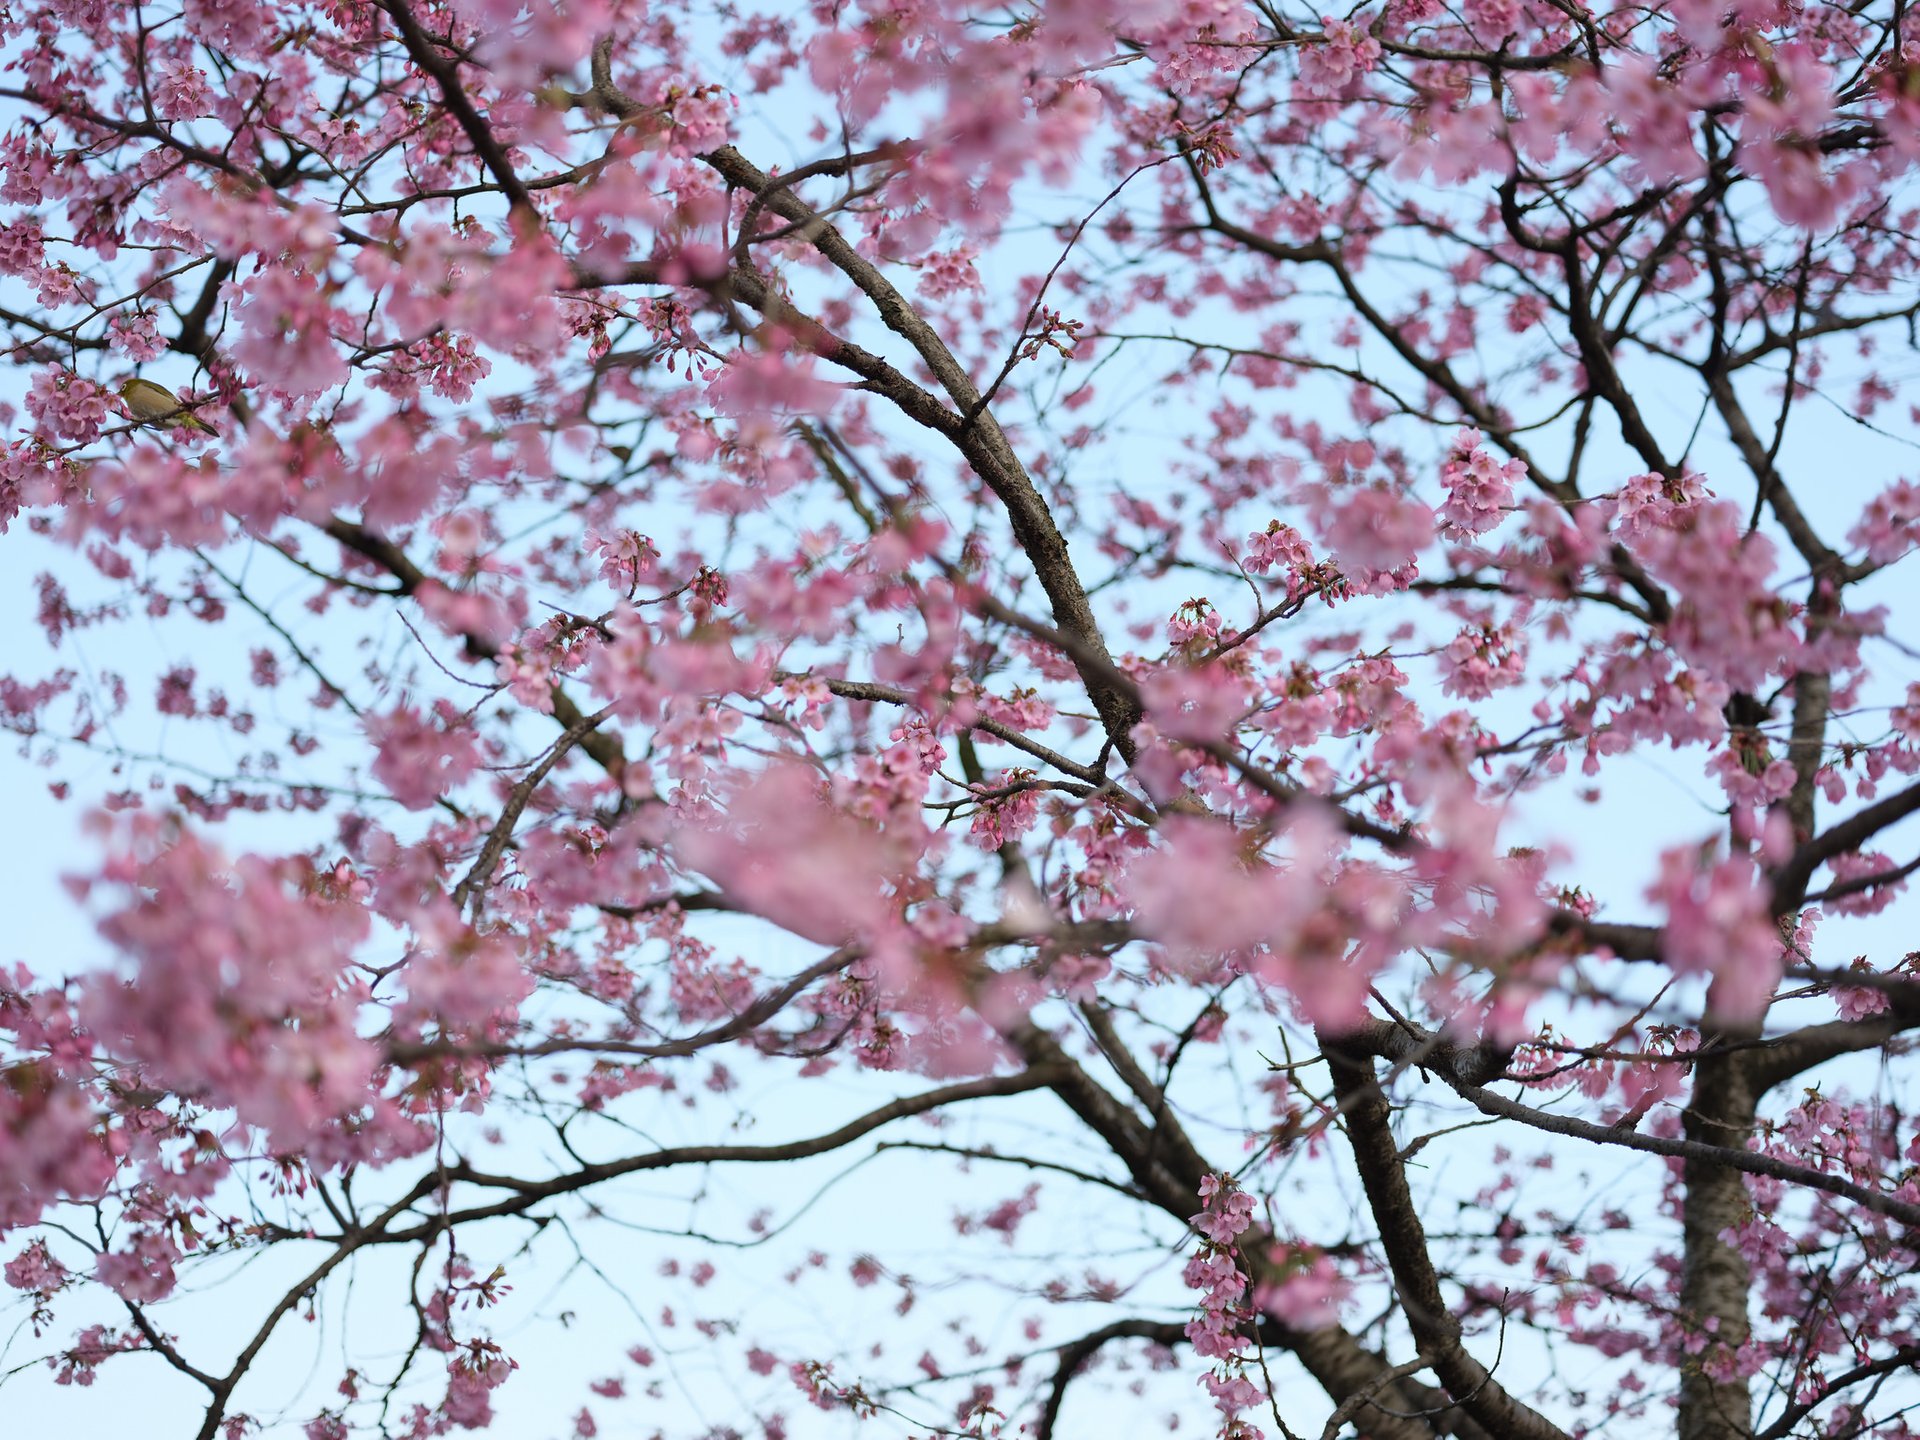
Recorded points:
(1436, 1329)
(1168, 1169)
(1714, 1276)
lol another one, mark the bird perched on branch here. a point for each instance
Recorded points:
(152, 404)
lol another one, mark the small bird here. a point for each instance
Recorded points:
(152, 404)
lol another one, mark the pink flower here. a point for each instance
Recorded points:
(1372, 530)
(1890, 524)
(422, 757)
(23, 248)
(35, 1269)
(239, 991)
(1785, 112)
(1007, 810)
(1524, 312)
(233, 222)
(1199, 893)
(528, 676)
(1200, 704)
(136, 334)
(1479, 487)
(1856, 867)
(286, 332)
(949, 272)
(143, 1272)
(469, 985)
(66, 406)
(1729, 621)
(1719, 924)
(1345, 53)
(1860, 1002)
(1309, 1293)
(181, 92)
(1229, 1210)
(52, 1145)
(761, 385)
(1656, 118)
(1482, 659)
(525, 41)
(1647, 504)
(784, 854)
(1277, 547)
(471, 1380)
(626, 558)
(1232, 1393)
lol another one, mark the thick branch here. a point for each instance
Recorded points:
(982, 442)
(1435, 1328)
(1790, 882)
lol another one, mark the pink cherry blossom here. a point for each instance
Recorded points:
(1716, 923)
(1108, 624)
(1479, 487)
(422, 756)
(1374, 532)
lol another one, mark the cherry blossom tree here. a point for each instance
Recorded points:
(1030, 604)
